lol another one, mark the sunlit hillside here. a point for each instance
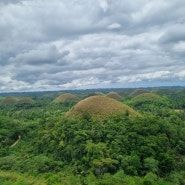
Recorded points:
(100, 107)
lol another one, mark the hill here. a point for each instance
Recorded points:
(147, 97)
(9, 100)
(100, 107)
(114, 95)
(67, 97)
(138, 92)
(25, 100)
(148, 101)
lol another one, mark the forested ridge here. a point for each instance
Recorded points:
(40, 145)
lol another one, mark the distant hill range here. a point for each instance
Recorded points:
(85, 91)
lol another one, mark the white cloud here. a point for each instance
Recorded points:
(104, 5)
(147, 76)
(181, 75)
(77, 83)
(114, 26)
(82, 44)
(179, 47)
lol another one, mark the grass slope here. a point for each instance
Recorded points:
(145, 97)
(114, 95)
(9, 100)
(67, 97)
(100, 107)
(25, 100)
(138, 92)
(148, 99)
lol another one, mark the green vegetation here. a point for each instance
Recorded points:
(1, 98)
(40, 145)
(176, 97)
(148, 101)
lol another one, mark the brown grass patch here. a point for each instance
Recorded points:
(114, 95)
(67, 97)
(10, 100)
(138, 92)
(100, 107)
(25, 100)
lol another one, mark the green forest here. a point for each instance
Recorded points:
(93, 137)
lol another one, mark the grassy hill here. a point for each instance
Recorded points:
(114, 95)
(147, 97)
(25, 100)
(67, 97)
(148, 102)
(10, 100)
(100, 107)
(138, 92)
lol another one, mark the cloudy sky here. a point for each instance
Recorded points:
(79, 44)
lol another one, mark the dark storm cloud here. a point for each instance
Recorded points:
(95, 43)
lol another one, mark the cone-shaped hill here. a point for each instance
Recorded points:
(114, 95)
(25, 100)
(163, 92)
(99, 107)
(9, 100)
(67, 97)
(148, 98)
(94, 94)
(122, 93)
(138, 92)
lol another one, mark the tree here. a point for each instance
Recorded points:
(151, 165)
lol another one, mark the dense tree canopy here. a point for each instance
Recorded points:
(40, 145)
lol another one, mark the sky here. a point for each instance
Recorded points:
(82, 44)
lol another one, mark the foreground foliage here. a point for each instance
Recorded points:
(38, 145)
